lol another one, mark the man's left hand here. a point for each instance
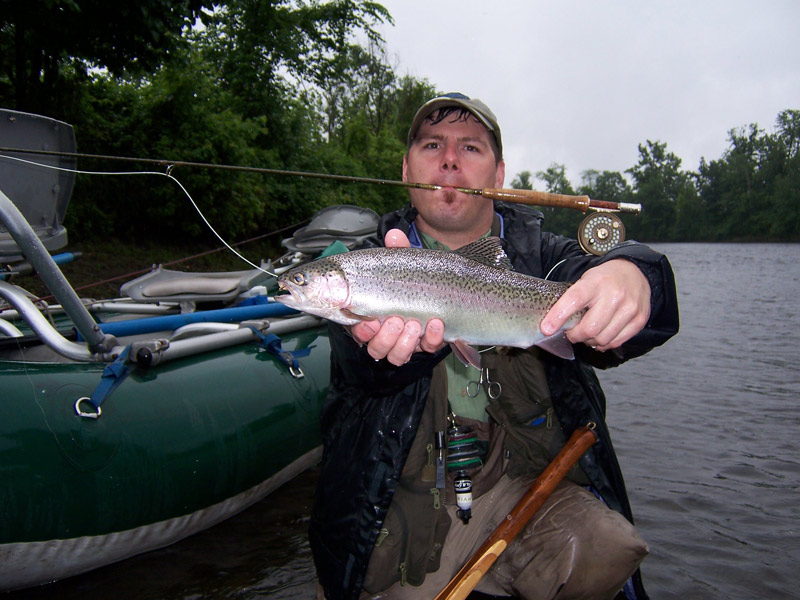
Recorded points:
(617, 297)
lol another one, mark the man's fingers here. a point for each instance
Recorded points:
(386, 337)
(433, 339)
(570, 303)
(363, 332)
(406, 343)
(396, 340)
(395, 238)
(622, 327)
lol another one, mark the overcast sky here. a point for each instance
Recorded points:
(583, 83)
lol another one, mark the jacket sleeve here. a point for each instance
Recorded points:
(664, 319)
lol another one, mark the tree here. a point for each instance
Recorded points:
(558, 220)
(658, 182)
(202, 106)
(751, 192)
(179, 114)
(555, 179)
(788, 126)
(266, 49)
(368, 130)
(785, 200)
(47, 47)
(522, 181)
(608, 185)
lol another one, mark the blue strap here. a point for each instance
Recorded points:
(272, 343)
(113, 375)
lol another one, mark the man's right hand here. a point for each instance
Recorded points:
(394, 339)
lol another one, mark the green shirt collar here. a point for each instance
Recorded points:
(433, 244)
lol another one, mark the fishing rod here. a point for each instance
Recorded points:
(598, 233)
(581, 203)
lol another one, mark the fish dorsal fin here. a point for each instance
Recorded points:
(487, 251)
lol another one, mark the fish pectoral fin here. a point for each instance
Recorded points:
(354, 316)
(466, 354)
(559, 345)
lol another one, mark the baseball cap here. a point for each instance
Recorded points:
(457, 99)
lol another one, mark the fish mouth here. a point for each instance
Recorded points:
(292, 299)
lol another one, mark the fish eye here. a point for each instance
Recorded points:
(299, 278)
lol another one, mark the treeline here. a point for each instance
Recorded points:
(308, 86)
(751, 193)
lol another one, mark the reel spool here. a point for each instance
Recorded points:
(599, 232)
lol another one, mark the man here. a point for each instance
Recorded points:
(385, 523)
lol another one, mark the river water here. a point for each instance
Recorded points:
(704, 428)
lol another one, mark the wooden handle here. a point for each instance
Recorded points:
(581, 203)
(538, 198)
(477, 566)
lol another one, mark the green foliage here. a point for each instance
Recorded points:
(48, 46)
(751, 193)
(557, 220)
(522, 181)
(659, 184)
(179, 115)
(228, 95)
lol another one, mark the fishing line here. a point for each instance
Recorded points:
(171, 164)
(555, 266)
(168, 175)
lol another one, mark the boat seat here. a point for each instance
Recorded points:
(345, 223)
(164, 285)
(40, 193)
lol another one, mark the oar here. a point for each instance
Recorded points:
(477, 566)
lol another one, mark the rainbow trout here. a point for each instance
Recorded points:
(473, 290)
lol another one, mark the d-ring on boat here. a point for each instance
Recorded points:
(129, 424)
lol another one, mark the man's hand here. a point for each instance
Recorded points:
(396, 340)
(617, 296)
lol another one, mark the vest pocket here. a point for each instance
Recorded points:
(525, 411)
(410, 543)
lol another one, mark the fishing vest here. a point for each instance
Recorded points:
(522, 435)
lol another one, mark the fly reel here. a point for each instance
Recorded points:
(599, 232)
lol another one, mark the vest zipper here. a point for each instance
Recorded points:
(437, 504)
(382, 535)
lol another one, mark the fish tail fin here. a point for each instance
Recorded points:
(559, 345)
(466, 354)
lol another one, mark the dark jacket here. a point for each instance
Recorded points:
(373, 408)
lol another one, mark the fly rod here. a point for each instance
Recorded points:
(581, 203)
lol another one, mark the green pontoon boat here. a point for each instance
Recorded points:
(129, 424)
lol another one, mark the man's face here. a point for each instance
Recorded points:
(453, 153)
